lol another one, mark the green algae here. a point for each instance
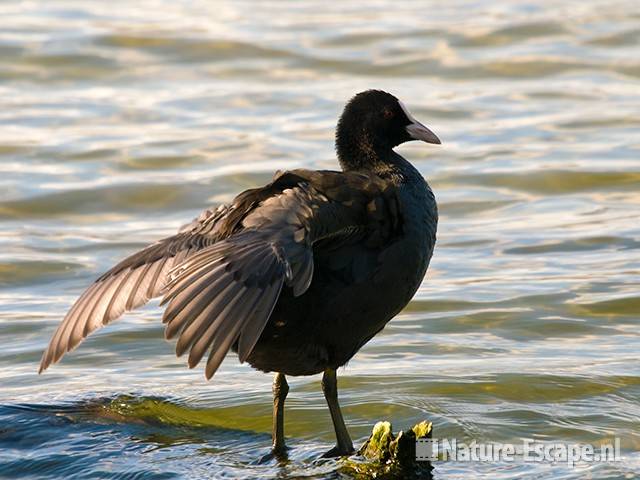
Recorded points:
(388, 456)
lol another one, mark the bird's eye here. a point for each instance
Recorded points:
(387, 113)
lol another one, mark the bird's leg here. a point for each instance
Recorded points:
(344, 446)
(280, 390)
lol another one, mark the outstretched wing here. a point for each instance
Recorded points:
(130, 284)
(225, 293)
(222, 274)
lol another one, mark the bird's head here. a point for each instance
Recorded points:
(371, 125)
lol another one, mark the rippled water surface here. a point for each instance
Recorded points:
(120, 121)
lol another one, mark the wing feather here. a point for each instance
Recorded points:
(251, 332)
(197, 322)
(138, 295)
(234, 292)
(233, 312)
(223, 340)
(221, 276)
(175, 315)
(130, 284)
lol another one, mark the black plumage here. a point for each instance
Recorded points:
(295, 276)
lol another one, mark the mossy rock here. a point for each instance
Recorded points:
(385, 455)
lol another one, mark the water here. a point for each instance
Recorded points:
(120, 121)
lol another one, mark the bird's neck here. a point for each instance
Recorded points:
(360, 152)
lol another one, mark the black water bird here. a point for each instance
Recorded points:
(295, 276)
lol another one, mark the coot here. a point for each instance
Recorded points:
(295, 276)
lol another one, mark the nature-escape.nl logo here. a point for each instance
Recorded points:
(429, 449)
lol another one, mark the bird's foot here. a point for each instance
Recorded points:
(280, 454)
(338, 451)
